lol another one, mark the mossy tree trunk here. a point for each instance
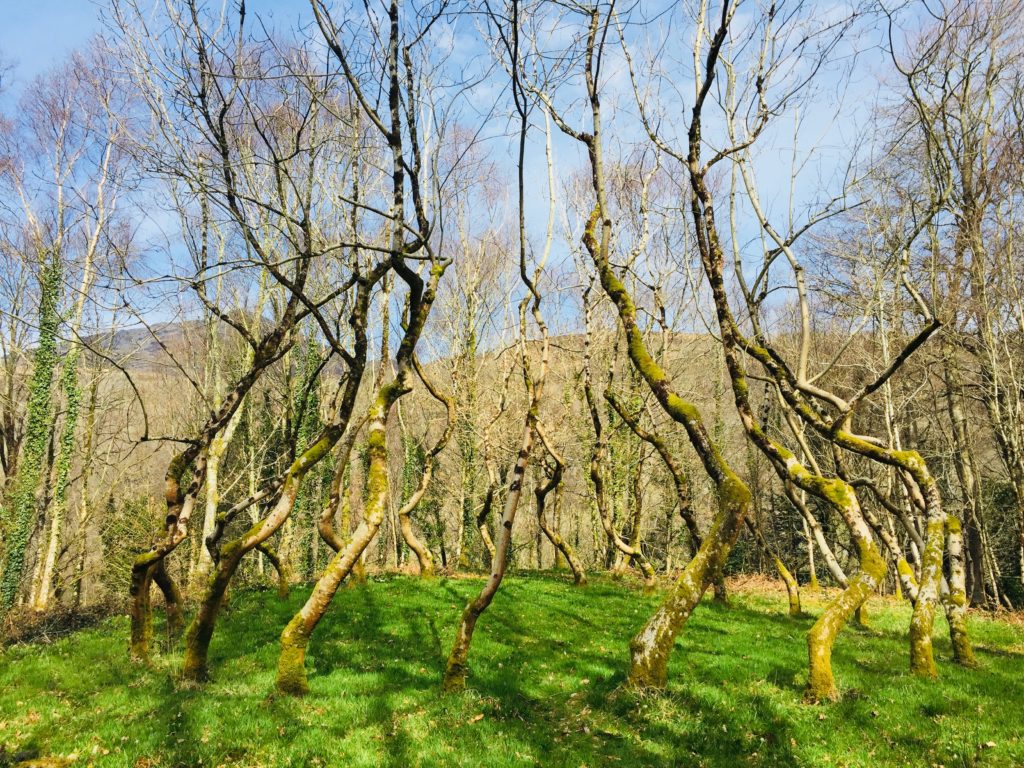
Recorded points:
(922, 661)
(229, 555)
(651, 647)
(955, 597)
(291, 671)
(291, 667)
(179, 508)
(285, 491)
(833, 491)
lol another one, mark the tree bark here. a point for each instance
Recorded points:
(291, 666)
(541, 493)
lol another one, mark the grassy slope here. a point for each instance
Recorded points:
(546, 660)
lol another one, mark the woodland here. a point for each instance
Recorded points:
(485, 382)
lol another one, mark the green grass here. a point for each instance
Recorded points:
(546, 666)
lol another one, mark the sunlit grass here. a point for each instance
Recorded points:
(546, 666)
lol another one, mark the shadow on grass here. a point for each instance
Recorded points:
(546, 669)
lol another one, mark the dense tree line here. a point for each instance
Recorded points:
(464, 287)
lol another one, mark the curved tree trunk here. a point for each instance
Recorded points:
(200, 631)
(457, 666)
(599, 469)
(423, 555)
(821, 637)
(179, 508)
(650, 648)
(792, 588)
(172, 599)
(541, 493)
(283, 576)
(424, 558)
(291, 666)
(834, 491)
(564, 548)
(482, 518)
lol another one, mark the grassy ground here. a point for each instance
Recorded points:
(545, 669)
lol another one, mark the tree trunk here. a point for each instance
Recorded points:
(283, 576)
(457, 666)
(200, 631)
(651, 647)
(922, 661)
(541, 493)
(19, 512)
(956, 598)
(291, 666)
(423, 556)
(172, 599)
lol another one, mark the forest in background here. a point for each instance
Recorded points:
(465, 287)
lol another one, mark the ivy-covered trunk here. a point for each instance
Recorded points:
(19, 510)
(73, 397)
(66, 451)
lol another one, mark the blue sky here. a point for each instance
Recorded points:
(38, 34)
